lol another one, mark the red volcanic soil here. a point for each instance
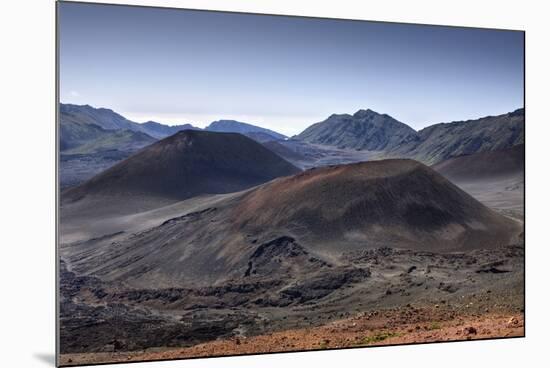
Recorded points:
(406, 325)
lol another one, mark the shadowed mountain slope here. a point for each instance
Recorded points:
(187, 164)
(495, 178)
(484, 165)
(442, 141)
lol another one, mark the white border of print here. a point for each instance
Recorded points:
(28, 165)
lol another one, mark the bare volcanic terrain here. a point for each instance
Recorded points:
(383, 296)
(187, 164)
(298, 252)
(321, 212)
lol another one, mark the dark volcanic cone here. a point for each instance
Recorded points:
(187, 164)
(397, 203)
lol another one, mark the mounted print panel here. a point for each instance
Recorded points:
(234, 183)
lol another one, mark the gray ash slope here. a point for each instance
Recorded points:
(187, 164)
(484, 165)
(309, 218)
(495, 178)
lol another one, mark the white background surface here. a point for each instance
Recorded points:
(27, 182)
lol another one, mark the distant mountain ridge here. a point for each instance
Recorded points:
(369, 130)
(92, 140)
(442, 141)
(82, 133)
(159, 131)
(233, 126)
(105, 118)
(366, 130)
(110, 120)
(88, 130)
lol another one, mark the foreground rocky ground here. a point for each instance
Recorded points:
(404, 325)
(371, 297)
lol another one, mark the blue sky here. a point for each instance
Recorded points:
(283, 73)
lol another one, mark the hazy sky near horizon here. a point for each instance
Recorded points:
(282, 73)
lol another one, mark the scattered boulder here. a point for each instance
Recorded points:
(513, 322)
